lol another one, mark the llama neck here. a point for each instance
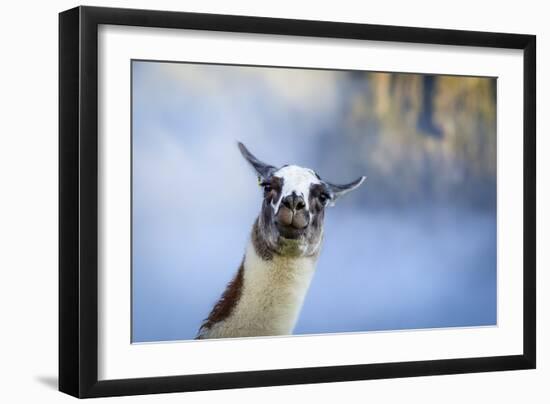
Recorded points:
(271, 295)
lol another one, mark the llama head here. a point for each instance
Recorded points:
(292, 214)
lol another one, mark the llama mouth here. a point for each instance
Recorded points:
(290, 232)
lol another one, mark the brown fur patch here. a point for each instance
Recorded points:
(227, 302)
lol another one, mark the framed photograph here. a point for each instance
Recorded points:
(251, 201)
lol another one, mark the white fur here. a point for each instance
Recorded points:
(296, 179)
(272, 295)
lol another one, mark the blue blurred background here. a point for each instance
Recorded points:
(414, 247)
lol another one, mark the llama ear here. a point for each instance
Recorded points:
(264, 170)
(337, 191)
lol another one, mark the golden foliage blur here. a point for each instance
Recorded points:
(431, 133)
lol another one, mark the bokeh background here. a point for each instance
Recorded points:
(413, 247)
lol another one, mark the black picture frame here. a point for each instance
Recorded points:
(78, 200)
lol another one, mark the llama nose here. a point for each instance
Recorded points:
(294, 202)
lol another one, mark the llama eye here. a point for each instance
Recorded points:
(267, 187)
(324, 197)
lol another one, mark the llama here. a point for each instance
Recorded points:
(266, 294)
